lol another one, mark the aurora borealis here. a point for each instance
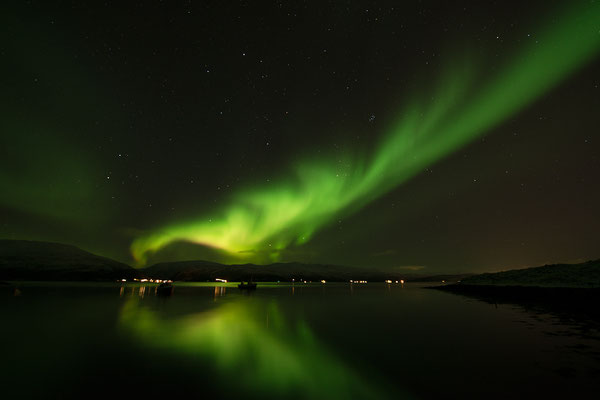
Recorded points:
(216, 138)
(269, 220)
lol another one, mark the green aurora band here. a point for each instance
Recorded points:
(259, 224)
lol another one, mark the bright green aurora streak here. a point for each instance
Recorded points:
(260, 223)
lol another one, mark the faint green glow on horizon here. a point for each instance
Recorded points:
(47, 168)
(46, 175)
(252, 348)
(260, 223)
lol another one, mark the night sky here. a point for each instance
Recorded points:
(427, 136)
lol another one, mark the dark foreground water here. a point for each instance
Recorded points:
(323, 341)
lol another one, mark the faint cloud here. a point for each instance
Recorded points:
(132, 232)
(410, 267)
(389, 252)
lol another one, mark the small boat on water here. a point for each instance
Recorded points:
(248, 286)
(165, 289)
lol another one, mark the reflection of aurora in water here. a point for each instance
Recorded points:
(252, 348)
(263, 221)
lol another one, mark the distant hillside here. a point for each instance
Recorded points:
(29, 260)
(43, 261)
(204, 270)
(584, 275)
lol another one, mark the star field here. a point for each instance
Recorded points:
(121, 121)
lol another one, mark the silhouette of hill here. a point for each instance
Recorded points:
(44, 261)
(208, 271)
(584, 275)
(204, 270)
(569, 291)
(31, 260)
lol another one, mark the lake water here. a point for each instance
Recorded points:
(324, 341)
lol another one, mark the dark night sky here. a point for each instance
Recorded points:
(121, 120)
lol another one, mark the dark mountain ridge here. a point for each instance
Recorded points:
(203, 270)
(583, 275)
(209, 271)
(46, 261)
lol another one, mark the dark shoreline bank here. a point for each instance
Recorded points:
(524, 293)
(577, 303)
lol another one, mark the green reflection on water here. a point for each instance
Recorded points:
(253, 348)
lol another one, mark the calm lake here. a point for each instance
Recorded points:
(333, 340)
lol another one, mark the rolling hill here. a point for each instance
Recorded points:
(31, 260)
(204, 270)
(584, 275)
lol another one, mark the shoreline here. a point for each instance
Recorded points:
(577, 303)
(523, 291)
